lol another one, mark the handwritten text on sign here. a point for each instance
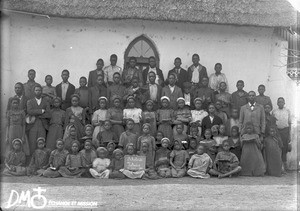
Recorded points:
(134, 163)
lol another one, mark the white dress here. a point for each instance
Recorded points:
(99, 169)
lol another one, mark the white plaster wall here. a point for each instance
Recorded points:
(51, 45)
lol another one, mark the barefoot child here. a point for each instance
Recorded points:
(178, 159)
(100, 165)
(162, 159)
(226, 163)
(88, 155)
(200, 164)
(56, 160)
(40, 158)
(73, 167)
(15, 160)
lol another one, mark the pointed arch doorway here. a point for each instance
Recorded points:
(141, 48)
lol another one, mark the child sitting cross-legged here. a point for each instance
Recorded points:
(15, 160)
(162, 159)
(116, 164)
(73, 167)
(88, 155)
(100, 164)
(200, 164)
(226, 163)
(150, 172)
(178, 159)
(40, 159)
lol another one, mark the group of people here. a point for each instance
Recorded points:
(188, 124)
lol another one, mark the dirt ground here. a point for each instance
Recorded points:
(241, 193)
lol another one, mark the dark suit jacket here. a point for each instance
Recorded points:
(207, 124)
(202, 73)
(181, 77)
(158, 96)
(34, 109)
(166, 91)
(23, 103)
(159, 73)
(67, 102)
(92, 80)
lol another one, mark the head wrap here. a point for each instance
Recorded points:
(17, 139)
(101, 149)
(116, 151)
(88, 125)
(114, 97)
(40, 139)
(180, 98)
(102, 98)
(111, 143)
(129, 120)
(165, 140)
(146, 124)
(130, 97)
(75, 95)
(149, 101)
(197, 99)
(164, 98)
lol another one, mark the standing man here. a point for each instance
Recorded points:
(132, 72)
(152, 68)
(216, 78)
(262, 99)
(92, 81)
(111, 69)
(30, 84)
(196, 72)
(65, 89)
(180, 73)
(255, 113)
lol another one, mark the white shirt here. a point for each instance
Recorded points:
(38, 101)
(187, 98)
(172, 88)
(64, 88)
(154, 71)
(153, 91)
(109, 72)
(195, 75)
(283, 117)
(252, 106)
(211, 118)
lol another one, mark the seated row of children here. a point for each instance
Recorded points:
(197, 158)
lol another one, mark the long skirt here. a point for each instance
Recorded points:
(252, 161)
(51, 173)
(118, 129)
(20, 171)
(198, 174)
(16, 131)
(272, 155)
(37, 130)
(103, 175)
(167, 131)
(65, 172)
(55, 132)
(133, 174)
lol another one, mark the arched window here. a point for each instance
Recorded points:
(141, 48)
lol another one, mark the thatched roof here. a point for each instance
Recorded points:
(273, 13)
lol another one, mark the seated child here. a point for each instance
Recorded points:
(146, 137)
(220, 137)
(180, 136)
(192, 149)
(40, 159)
(226, 163)
(210, 144)
(159, 137)
(111, 146)
(73, 167)
(182, 116)
(150, 172)
(128, 136)
(197, 115)
(272, 152)
(162, 159)
(200, 164)
(56, 160)
(252, 161)
(129, 150)
(106, 135)
(116, 164)
(15, 160)
(194, 133)
(178, 160)
(100, 164)
(232, 121)
(88, 155)
(235, 143)
(72, 136)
